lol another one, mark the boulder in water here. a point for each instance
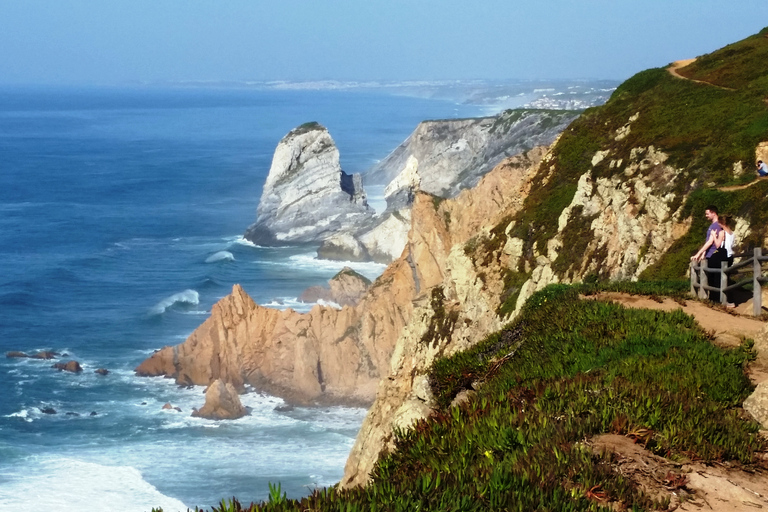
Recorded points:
(71, 366)
(221, 403)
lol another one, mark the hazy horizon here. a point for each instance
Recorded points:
(81, 42)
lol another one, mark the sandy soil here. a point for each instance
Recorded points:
(679, 64)
(687, 485)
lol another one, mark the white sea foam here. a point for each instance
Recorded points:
(308, 261)
(65, 485)
(190, 297)
(220, 256)
(329, 303)
(242, 241)
(23, 414)
(293, 303)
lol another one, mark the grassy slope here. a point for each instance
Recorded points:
(704, 129)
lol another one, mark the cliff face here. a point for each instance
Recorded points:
(457, 307)
(620, 196)
(307, 196)
(338, 356)
(441, 158)
(444, 157)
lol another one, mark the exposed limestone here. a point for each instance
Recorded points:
(221, 403)
(342, 247)
(307, 196)
(630, 218)
(761, 152)
(757, 404)
(444, 157)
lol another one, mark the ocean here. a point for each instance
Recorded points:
(121, 211)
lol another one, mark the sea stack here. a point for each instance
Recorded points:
(307, 196)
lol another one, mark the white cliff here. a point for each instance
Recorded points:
(307, 196)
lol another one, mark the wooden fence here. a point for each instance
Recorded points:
(700, 282)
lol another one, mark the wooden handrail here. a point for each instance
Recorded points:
(699, 273)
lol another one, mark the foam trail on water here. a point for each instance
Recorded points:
(69, 485)
(309, 261)
(220, 256)
(186, 297)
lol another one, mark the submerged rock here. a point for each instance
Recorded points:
(15, 353)
(45, 354)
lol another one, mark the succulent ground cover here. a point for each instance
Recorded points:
(537, 392)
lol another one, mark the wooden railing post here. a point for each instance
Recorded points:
(703, 279)
(757, 291)
(694, 283)
(723, 282)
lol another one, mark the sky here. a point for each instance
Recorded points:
(113, 42)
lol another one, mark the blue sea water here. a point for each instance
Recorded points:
(120, 219)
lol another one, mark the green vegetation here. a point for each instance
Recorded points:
(704, 129)
(549, 118)
(442, 322)
(567, 370)
(306, 128)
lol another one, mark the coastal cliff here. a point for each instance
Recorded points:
(617, 197)
(338, 356)
(440, 158)
(307, 195)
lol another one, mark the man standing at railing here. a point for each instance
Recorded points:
(713, 251)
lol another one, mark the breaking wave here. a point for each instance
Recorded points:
(188, 297)
(220, 256)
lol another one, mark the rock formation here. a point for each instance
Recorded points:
(70, 366)
(346, 288)
(441, 158)
(221, 403)
(307, 196)
(444, 157)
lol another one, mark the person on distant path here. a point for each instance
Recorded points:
(713, 251)
(762, 169)
(726, 222)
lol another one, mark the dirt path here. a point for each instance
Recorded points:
(678, 64)
(687, 485)
(741, 187)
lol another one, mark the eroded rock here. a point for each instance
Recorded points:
(221, 403)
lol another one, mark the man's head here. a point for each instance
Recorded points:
(759, 162)
(711, 213)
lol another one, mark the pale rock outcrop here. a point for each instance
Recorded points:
(757, 404)
(441, 158)
(342, 247)
(221, 403)
(346, 288)
(307, 196)
(446, 156)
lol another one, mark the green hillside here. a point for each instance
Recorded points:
(705, 128)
